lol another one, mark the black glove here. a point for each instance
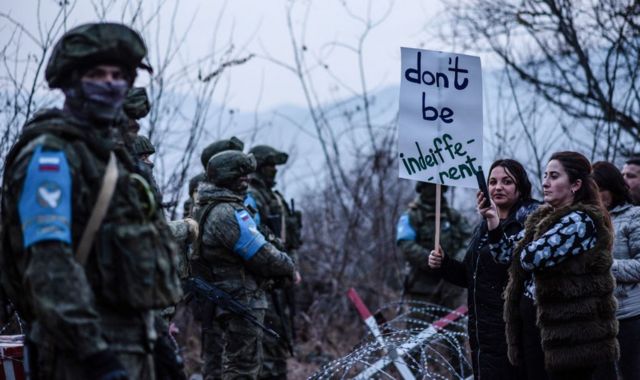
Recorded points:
(104, 366)
(167, 360)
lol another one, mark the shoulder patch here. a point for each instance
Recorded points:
(45, 200)
(250, 240)
(404, 230)
(250, 201)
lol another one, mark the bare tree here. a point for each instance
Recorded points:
(350, 213)
(581, 57)
(176, 122)
(23, 90)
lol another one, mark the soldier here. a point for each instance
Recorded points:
(274, 214)
(86, 254)
(234, 256)
(169, 364)
(212, 330)
(415, 238)
(142, 149)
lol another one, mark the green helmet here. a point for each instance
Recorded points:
(92, 44)
(212, 149)
(136, 105)
(266, 155)
(142, 145)
(226, 166)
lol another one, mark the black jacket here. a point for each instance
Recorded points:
(485, 280)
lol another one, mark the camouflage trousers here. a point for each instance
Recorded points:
(274, 365)
(62, 366)
(212, 350)
(242, 349)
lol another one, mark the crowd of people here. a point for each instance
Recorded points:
(96, 272)
(89, 262)
(552, 286)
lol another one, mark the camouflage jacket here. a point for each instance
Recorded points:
(415, 238)
(50, 185)
(230, 252)
(274, 213)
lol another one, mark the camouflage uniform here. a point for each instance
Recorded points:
(234, 256)
(275, 215)
(212, 332)
(136, 106)
(169, 364)
(416, 233)
(93, 320)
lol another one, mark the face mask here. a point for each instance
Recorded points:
(108, 94)
(268, 175)
(97, 100)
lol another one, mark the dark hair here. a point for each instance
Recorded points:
(578, 167)
(516, 171)
(608, 177)
(633, 160)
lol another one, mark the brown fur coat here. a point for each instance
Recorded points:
(575, 304)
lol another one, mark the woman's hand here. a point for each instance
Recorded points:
(489, 213)
(436, 258)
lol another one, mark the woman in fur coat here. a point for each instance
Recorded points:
(559, 304)
(615, 196)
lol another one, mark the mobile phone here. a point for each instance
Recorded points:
(482, 184)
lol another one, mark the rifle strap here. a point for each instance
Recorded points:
(201, 222)
(283, 218)
(99, 211)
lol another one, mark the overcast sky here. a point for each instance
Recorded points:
(260, 27)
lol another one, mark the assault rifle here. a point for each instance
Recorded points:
(223, 299)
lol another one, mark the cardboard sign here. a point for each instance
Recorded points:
(440, 130)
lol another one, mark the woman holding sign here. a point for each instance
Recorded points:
(559, 310)
(485, 279)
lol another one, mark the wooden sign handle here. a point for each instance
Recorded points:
(438, 201)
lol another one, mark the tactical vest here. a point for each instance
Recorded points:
(285, 223)
(132, 264)
(224, 268)
(576, 308)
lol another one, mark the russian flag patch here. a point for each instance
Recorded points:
(48, 163)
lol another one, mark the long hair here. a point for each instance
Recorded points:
(578, 167)
(608, 177)
(518, 174)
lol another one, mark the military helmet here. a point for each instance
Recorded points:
(228, 165)
(142, 145)
(92, 44)
(266, 155)
(136, 105)
(212, 149)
